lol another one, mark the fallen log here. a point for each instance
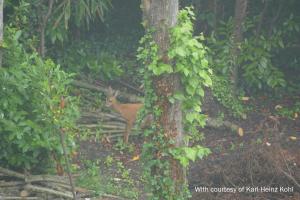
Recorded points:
(215, 123)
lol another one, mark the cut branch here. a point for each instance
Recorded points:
(16, 198)
(34, 188)
(12, 173)
(81, 84)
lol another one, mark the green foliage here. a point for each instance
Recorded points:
(222, 92)
(80, 57)
(122, 183)
(30, 112)
(256, 54)
(291, 112)
(90, 176)
(81, 11)
(188, 57)
(258, 69)
(21, 18)
(192, 65)
(187, 154)
(67, 13)
(258, 66)
(123, 147)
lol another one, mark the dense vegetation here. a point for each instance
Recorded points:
(231, 53)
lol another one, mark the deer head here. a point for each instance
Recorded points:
(111, 97)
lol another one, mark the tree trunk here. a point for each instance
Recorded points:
(262, 17)
(239, 16)
(1, 31)
(162, 15)
(213, 8)
(43, 25)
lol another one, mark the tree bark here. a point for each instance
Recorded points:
(1, 31)
(239, 16)
(162, 15)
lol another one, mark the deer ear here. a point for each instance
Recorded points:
(116, 93)
(110, 92)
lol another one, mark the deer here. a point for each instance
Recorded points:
(128, 111)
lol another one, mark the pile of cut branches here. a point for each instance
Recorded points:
(15, 185)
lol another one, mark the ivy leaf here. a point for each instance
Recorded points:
(200, 92)
(184, 161)
(179, 96)
(186, 71)
(166, 68)
(202, 151)
(172, 100)
(179, 67)
(204, 63)
(190, 90)
(197, 108)
(191, 153)
(180, 51)
(281, 43)
(194, 82)
(191, 116)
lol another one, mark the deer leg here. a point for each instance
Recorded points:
(127, 131)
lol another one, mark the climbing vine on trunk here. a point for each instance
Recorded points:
(186, 57)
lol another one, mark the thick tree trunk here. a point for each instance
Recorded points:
(162, 15)
(239, 16)
(1, 30)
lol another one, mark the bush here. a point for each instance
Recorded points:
(30, 113)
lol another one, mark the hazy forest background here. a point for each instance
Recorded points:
(219, 82)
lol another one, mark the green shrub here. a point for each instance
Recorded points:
(30, 113)
(81, 57)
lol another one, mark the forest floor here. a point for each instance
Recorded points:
(263, 163)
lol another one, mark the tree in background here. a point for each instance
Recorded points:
(44, 17)
(239, 17)
(1, 30)
(54, 20)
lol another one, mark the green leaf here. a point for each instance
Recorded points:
(191, 117)
(204, 63)
(179, 96)
(186, 71)
(180, 51)
(191, 153)
(200, 92)
(165, 68)
(184, 161)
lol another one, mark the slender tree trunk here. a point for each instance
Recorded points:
(162, 15)
(213, 7)
(43, 25)
(239, 16)
(276, 16)
(1, 31)
(262, 17)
